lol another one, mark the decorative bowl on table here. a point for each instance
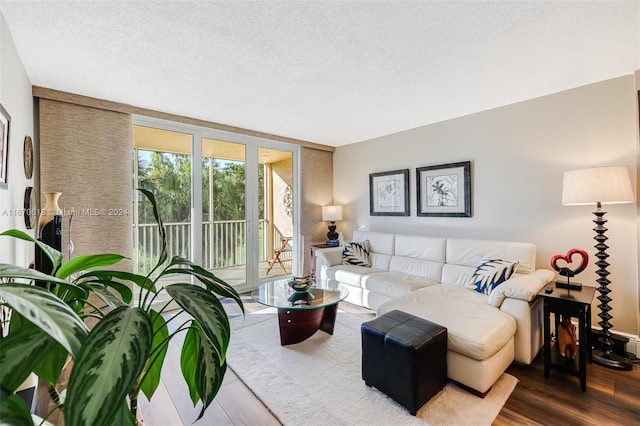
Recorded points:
(300, 284)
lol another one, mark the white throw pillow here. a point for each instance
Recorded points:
(356, 253)
(490, 274)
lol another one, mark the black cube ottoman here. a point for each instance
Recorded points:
(405, 357)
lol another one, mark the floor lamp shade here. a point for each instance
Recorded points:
(601, 185)
(607, 185)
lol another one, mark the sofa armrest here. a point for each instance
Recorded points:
(326, 258)
(524, 287)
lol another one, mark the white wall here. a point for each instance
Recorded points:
(15, 96)
(518, 153)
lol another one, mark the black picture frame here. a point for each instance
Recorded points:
(5, 128)
(389, 193)
(444, 190)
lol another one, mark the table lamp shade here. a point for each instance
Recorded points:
(608, 185)
(331, 213)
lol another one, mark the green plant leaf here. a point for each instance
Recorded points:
(209, 373)
(125, 417)
(54, 255)
(110, 361)
(201, 367)
(20, 352)
(161, 231)
(207, 310)
(122, 290)
(105, 295)
(16, 321)
(140, 280)
(51, 366)
(48, 313)
(82, 263)
(13, 271)
(13, 410)
(213, 283)
(189, 360)
(160, 345)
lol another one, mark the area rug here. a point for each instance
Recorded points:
(318, 381)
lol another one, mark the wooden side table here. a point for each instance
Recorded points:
(574, 304)
(312, 257)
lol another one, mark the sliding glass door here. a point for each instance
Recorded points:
(237, 220)
(276, 201)
(162, 165)
(224, 225)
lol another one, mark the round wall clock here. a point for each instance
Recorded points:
(30, 208)
(28, 157)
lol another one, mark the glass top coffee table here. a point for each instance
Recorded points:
(301, 314)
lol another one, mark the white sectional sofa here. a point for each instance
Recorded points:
(428, 277)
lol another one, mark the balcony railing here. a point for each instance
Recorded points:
(223, 243)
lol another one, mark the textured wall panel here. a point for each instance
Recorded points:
(317, 191)
(85, 153)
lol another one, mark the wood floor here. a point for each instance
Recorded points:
(612, 397)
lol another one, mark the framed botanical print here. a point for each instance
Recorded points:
(444, 190)
(389, 193)
(5, 121)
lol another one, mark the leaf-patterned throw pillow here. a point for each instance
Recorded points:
(490, 274)
(356, 253)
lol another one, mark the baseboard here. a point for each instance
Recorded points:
(633, 344)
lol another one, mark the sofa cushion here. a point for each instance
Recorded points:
(350, 274)
(426, 248)
(380, 261)
(356, 253)
(471, 252)
(476, 329)
(379, 242)
(418, 267)
(490, 274)
(457, 274)
(394, 284)
(522, 286)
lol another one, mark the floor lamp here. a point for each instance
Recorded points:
(600, 185)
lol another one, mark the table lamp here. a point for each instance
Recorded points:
(331, 214)
(600, 185)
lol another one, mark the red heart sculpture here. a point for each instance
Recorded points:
(566, 272)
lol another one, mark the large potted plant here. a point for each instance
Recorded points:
(123, 353)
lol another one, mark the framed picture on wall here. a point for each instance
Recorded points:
(389, 193)
(5, 120)
(444, 190)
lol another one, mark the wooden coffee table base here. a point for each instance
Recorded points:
(297, 325)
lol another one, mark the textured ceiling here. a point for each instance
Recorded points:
(331, 72)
